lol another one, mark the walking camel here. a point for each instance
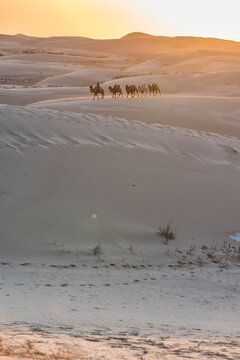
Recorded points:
(116, 90)
(96, 91)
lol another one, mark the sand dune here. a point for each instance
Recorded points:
(133, 43)
(89, 163)
(70, 181)
(9, 68)
(27, 73)
(24, 96)
(83, 77)
(85, 186)
(210, 114)
(199, 61)
(224, 83)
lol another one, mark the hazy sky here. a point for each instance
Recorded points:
(113, 18)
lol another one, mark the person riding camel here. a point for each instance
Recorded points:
(98, 87)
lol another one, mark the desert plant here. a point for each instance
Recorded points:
(167, 232)
(97, 250)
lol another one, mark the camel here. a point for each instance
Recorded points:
(97, 90)
(142, 89)
(154, 89)
(116, 90)
(132, 90)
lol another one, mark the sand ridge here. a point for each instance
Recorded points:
(110, 152)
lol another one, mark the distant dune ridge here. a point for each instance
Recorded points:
(133, 43)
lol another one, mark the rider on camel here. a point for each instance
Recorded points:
(98, 87)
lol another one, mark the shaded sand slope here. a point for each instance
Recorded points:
(11, 68)
(199, 61)
(222, 83)
(24, 96)
(209, 114)
(25, 74)
(84, 77)
(58, 169)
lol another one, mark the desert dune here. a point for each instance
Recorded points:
(87, 189)
(209, 114)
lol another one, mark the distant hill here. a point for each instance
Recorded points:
(133, 43)
(137, 35)
(18, 38)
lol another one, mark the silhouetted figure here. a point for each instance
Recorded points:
(97, 90)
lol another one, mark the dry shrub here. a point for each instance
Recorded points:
(167, 232)
(97, 250)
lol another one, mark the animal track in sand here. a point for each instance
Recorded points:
(64, 284)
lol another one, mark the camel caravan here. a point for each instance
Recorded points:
(131, 90)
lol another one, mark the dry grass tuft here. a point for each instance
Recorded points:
(167, 232)
(97, 250)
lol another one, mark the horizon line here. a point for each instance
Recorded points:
(118, 38)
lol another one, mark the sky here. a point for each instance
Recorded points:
(113, 19)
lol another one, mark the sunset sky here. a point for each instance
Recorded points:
(113, 19)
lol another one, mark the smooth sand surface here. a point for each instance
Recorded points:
(209, 114)
(198, 61)
(24, 96)
(82, 77)
(52, 147)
